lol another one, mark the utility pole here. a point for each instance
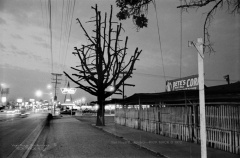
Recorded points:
(199, 47)
(202, 98)
(55, 81)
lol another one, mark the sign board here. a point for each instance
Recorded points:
(186, 83)
(68, 90)
(19, 100)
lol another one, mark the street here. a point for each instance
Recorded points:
(15, 129)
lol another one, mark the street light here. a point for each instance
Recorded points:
(39, 93)
(49, 86)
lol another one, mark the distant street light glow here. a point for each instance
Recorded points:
(49, 86)
(83, 99)
(39, 93)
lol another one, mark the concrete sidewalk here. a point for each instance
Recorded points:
(165, 146)
(68, 137)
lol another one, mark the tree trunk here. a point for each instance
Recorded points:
(100, 111)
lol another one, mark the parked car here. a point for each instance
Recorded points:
(68, 112)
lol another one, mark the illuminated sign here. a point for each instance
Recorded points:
(19, 100)
(4, 99)
(68, 90)
(31, 100)
(186, 83)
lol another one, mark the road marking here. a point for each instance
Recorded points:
(31, 145)
(16, 152)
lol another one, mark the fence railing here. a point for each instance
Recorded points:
(182, 122)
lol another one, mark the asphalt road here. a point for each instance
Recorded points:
(14, 130)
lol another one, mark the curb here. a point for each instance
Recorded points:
(26, 146)
(139, 145)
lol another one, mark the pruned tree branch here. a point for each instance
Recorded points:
(102, 60)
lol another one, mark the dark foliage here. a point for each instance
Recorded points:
(137, 9)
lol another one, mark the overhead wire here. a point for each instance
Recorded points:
(66, 31)
(46, 15)
(181, 39)
(153, 75)
(65, 19)
(63, 36)
(60, 43)
(159, 39)
(50, 29)
(69, 35)
(55, 23)
(43, 21)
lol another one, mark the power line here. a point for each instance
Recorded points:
(181, 39)
(69, 34)
(50, 29)
(44, 4)
(61, 32)
(159, 38)
(153, 75)
(65, 32)
(43, 21)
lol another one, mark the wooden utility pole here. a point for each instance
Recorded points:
(55, 81)
(199, 46)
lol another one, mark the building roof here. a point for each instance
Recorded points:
(222, 93)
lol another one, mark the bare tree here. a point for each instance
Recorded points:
(137, 9)
(102, 61)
